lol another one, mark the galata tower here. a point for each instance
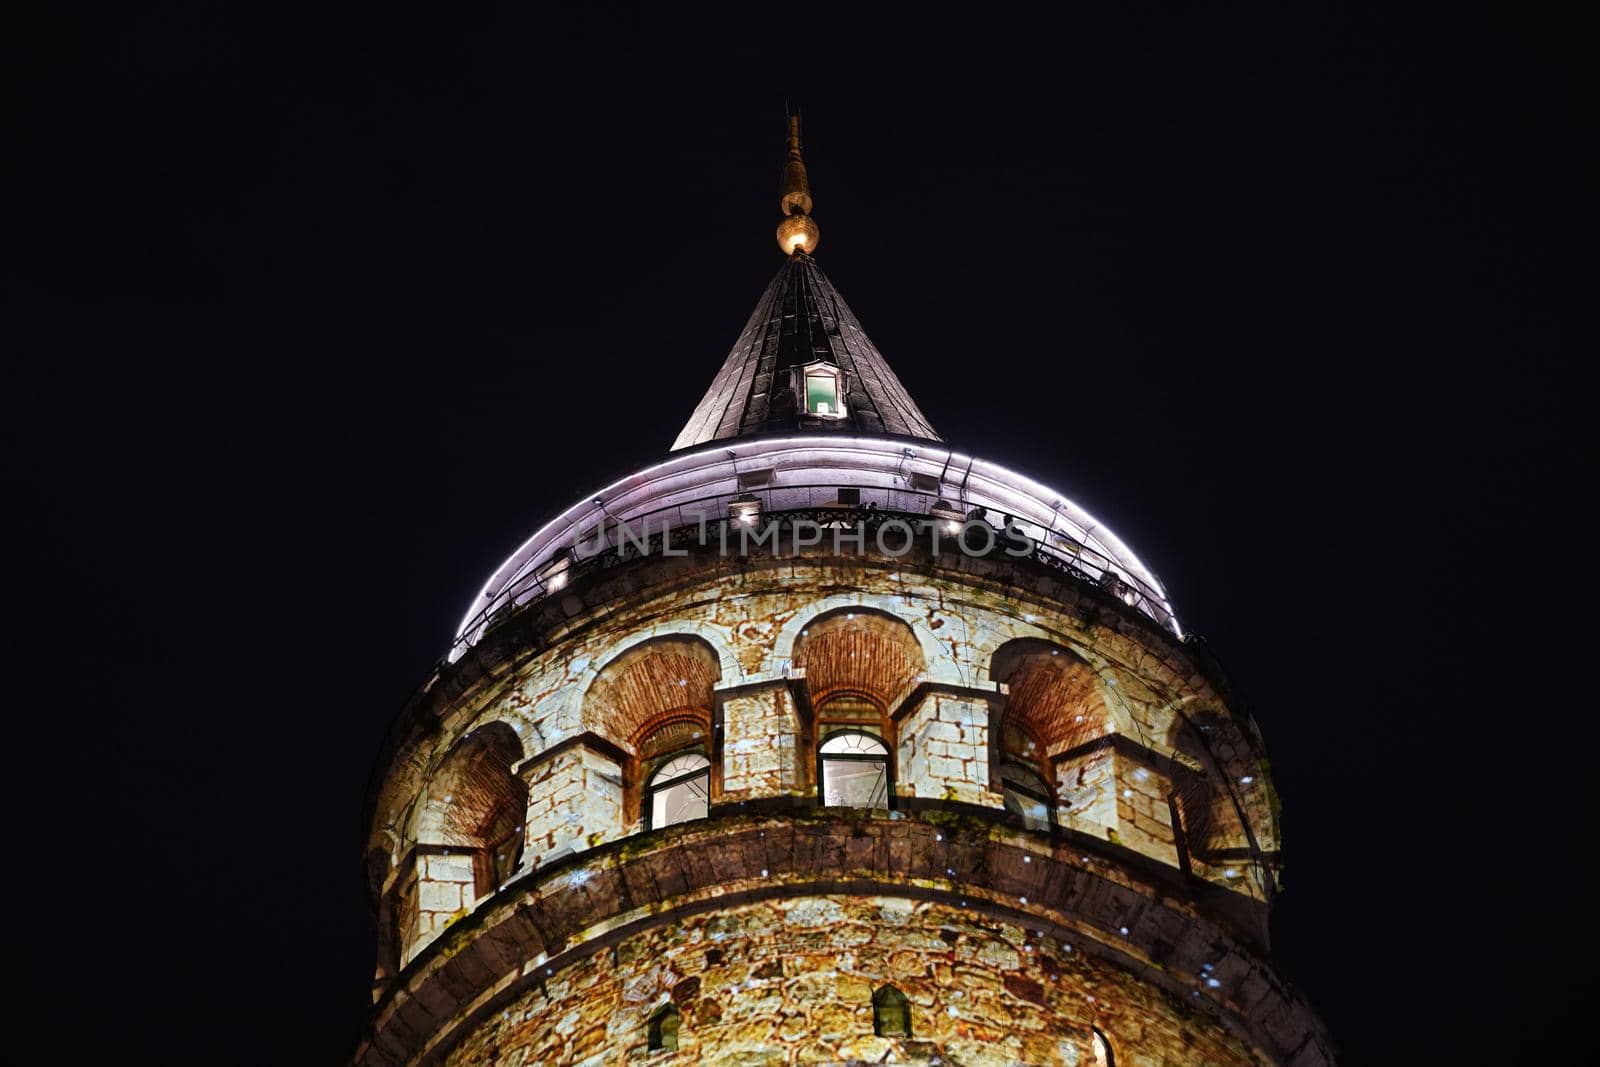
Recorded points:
(820, 741)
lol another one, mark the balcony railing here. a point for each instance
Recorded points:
(705, 524)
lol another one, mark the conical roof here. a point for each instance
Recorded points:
(776, 378)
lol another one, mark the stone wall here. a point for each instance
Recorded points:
(445, 887)
(1126, 916)
(944, 750)
(1086, 786)
(1144, 815)
(760, 735)
(744, 630)
(576, 699)
(575, 800)
(791, 981)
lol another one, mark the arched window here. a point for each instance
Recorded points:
(891, 1013)
(1055, 723)
(469, 832)
(664, 1029)
(678, 791)
(1103, 1056)
(1027, 795)
(853, 770)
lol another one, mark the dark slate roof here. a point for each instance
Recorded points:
(801, 319)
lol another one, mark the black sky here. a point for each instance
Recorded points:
(314, 315)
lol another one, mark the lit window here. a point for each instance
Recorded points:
(1026, 795)
(891, 1014)
(679, 790)
(854, 771)
(1102, 1051)
(822, 394)
(664, 1029)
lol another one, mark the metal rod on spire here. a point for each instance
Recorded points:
(798, 232)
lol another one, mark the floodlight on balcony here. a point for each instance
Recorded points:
(744, 510)
(946, 514)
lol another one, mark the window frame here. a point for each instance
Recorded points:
(1047, 798)
(1098, 1038)
(901, 1001)
(887, 759)
(823, 369)
(655, 1040)
(651, 786)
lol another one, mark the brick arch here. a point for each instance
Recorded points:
(671, 733)
(1055, 698)
(467, 833)
(859, 652)
(473, 799)
(937, 658)
(1213, 757)
(660, 682)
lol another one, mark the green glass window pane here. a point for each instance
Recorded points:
(664, 1030)
(891, 1013)
(822, 394)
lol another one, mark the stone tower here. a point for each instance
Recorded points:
(819, 741)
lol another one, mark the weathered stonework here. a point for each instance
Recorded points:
(669, 803)
(944, 750)
(574, 801)
(760, 753)
(790, 981)
(1126, 916)
(446, 887)
(591, 946)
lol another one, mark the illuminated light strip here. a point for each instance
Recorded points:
(815, 451)
(1005, 482)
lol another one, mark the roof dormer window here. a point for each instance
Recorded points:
(822, 394)
(823, 386)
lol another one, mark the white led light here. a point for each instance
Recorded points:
(704, 470)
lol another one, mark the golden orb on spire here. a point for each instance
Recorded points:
(798, 232)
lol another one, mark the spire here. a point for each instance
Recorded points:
(797, 232)
(803, 363)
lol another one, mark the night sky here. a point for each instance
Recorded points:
(313, 316)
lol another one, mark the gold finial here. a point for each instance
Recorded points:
(797, 232)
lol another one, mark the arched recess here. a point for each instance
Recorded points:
(377, 865)
(571, 715)
(1057, 724)
(663, 1029)
(891, 1013)
(1216, 787)
(654, 703)
(467, 832)
(935, 655)
(858, 652)
(859, 665)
